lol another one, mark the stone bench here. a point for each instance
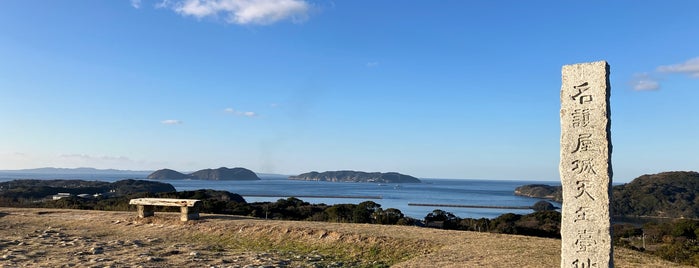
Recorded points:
(189, 207)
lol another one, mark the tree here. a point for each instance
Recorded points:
(505, 223)
(362, 213)
(340, 212)
(447, 220)
(543, 206)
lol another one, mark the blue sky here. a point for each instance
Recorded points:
(445, 89)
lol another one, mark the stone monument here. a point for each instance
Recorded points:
(585, 167)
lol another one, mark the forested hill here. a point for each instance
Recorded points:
(356, 176)
(219, 174)
(669, 194)
(33, 189)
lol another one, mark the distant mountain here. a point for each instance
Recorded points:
(77, 171)
(356, 176)
(668, 194)
(219, 174)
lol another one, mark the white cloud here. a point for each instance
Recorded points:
(239, 113)
(18, 160)
(136, 3)
(690, 67)
(644, 82)
(171, 122)
(250, 114)
(262, 12)
(372, 64)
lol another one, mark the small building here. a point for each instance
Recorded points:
(61, 195)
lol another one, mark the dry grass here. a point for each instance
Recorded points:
(233, 241)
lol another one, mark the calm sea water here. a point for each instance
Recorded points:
(430, 191)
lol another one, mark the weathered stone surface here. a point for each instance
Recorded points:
(585, 167)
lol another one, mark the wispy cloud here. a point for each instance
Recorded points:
(240, 113)
(644, 82)
(92, 158)
(136, 3)
(16, 160)
(649, 81)
(690, 67)
(250, 114)
(372, 64)
(171, 122)
(102, 161)
(261, 12)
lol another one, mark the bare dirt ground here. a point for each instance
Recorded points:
(76, 238)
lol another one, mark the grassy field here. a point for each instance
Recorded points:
(67, 238)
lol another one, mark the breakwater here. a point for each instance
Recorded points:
(468, 206)
(317, 196)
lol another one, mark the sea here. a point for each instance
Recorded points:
(437, 193)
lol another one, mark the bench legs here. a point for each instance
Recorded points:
(186, 213)
(145, 211)
(189, 213)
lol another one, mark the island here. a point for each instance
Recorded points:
(356, 176)
(219, 174)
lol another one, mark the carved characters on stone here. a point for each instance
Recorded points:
(583, 98)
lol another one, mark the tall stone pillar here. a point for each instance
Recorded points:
(585, 167)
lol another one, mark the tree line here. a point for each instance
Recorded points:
(674, 240)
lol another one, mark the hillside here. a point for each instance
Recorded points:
(356, 176)
(119, 239)
(219, 174)
(668, 194)
(37, 189)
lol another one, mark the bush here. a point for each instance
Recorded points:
(543, 206)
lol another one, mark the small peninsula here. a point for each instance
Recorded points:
(219, 174)
(554, 193)
(356, 176)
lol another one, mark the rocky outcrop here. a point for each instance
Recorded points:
(356, 176)
(219, 174)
